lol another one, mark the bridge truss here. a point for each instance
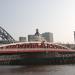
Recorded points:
(5, 36)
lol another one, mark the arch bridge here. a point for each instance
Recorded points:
(5, 36)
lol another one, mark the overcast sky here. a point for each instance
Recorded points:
(22, 17)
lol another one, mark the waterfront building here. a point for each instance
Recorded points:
(22, 39)
(48, 36)
(74, 36)
(36, 37)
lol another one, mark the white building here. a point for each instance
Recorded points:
(22, 39)
(36, 37)
(48, 36)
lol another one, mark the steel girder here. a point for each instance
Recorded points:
(6, 36)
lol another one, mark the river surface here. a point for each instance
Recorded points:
(38, 70)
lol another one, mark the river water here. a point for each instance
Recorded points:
(38, 70)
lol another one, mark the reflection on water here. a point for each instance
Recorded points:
(38, 70)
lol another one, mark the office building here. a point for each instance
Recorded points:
(48, 36)
(36, 37)
(22, 39)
